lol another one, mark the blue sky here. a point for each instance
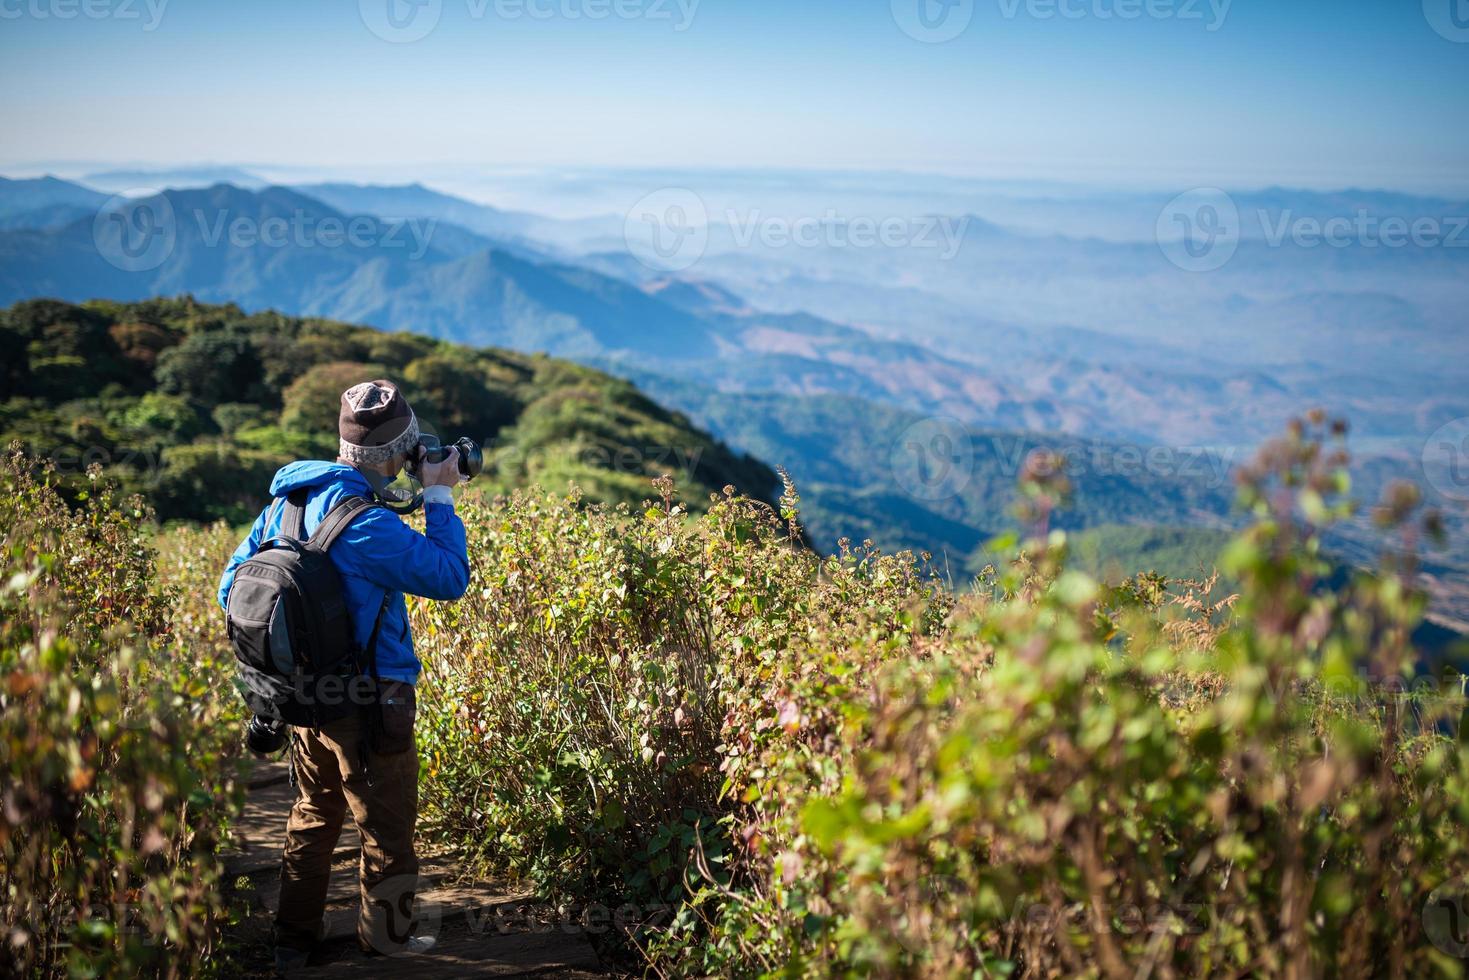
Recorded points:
(1243, 93)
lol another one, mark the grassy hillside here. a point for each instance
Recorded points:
(196, 405)
(770, 763)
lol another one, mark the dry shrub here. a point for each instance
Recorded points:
(593, 701)
(1065, 786)
(118, 742)
(797, 766)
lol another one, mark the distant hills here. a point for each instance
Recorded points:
(447, 281)
(134, 180)
(823, 398)
(1100, 336)
(417, 201)
(1165, 357)
(854, 461)
(45, 203)
(24, 196)
(820, 358)
(396, 275)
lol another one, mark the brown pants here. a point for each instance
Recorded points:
(331, 779)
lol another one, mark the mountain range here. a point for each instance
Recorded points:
(821, 358)
(45, 203)
(440, 278)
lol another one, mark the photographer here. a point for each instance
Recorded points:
(363, 762)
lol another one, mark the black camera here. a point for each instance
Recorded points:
(265, 736)
(471, 457)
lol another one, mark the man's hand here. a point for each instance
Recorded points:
(444, 474)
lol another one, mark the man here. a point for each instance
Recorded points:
(380, 558)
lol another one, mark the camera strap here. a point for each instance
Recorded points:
(292, 749)
(369, 711)
(401, 500)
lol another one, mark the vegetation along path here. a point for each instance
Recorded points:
(484, 929)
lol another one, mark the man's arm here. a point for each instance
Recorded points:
(242, 554)
(391, 554)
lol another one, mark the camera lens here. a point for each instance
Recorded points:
(265, 736)
(471, 457)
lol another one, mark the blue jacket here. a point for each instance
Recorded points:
(377, 554)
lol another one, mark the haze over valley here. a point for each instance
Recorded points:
(820, 320)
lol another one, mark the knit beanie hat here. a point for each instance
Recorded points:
(376, 424)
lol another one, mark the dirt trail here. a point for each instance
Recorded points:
(483, 929)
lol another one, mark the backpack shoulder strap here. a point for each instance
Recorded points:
(271, 512)
(293, 518)
(336, 521)
(369, 653)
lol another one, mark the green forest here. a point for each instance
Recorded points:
(195, 406)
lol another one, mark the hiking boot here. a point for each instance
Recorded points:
(289, 962)
(413, 947)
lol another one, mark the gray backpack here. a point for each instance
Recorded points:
(287, 619)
